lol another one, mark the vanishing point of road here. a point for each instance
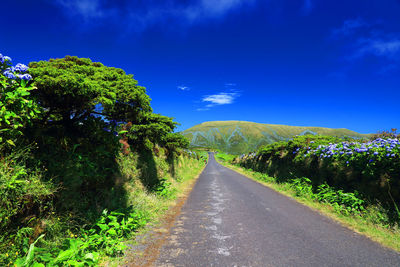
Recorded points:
(230, 220)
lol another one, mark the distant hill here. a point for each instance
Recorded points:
(238, 137)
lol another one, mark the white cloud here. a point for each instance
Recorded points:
(183, 88)
(219, 99)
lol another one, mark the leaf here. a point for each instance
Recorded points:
(10, 142)
(112, 232)
(89, 256)
(102, 226)
(64, 255)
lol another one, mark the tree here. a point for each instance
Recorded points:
(71, 89)
(152, 127)
(173, 141)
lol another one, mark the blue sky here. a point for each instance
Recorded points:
(296, 62)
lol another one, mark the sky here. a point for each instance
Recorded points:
(295, 62)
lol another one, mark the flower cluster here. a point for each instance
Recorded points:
(373, 150)
(13, 73)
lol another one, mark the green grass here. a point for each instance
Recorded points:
(237, 137)
(369, 220)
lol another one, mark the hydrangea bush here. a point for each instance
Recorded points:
(368, 166)
(16, 109)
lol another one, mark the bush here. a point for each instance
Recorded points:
(17, 109)
(348, 165)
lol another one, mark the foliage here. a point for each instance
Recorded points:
(105, 234)
(225, 157)
(67, 167)
(174, 141)
(71, 89)
(385, 134)
(17, 109)
(24, 198)
(348, 165)
(21, 188)
(156, 129)
(164, 189)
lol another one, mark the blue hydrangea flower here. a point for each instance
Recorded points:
(25, 77)
(21, 67)
(9, 74)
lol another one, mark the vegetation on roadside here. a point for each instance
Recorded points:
(84, 161)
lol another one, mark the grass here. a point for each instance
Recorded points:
(368, 223)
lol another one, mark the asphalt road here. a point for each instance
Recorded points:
(230, 220)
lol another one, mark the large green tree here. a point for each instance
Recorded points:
(71, 89)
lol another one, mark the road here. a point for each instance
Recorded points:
(230, 220)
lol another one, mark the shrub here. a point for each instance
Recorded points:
(17, 109)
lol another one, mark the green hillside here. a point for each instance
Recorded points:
(238, 137)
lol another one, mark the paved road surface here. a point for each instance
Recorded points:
(230, 220)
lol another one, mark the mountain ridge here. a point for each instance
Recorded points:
(238, 137)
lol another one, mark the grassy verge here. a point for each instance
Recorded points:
(158, 208)
(366, 222)
(145, 186)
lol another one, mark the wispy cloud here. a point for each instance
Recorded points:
(230, 84)
(139, 15)
(349, 27)
(363, 39)
(86, 9)
(389, 48)
(218, 99)
(183, 88)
